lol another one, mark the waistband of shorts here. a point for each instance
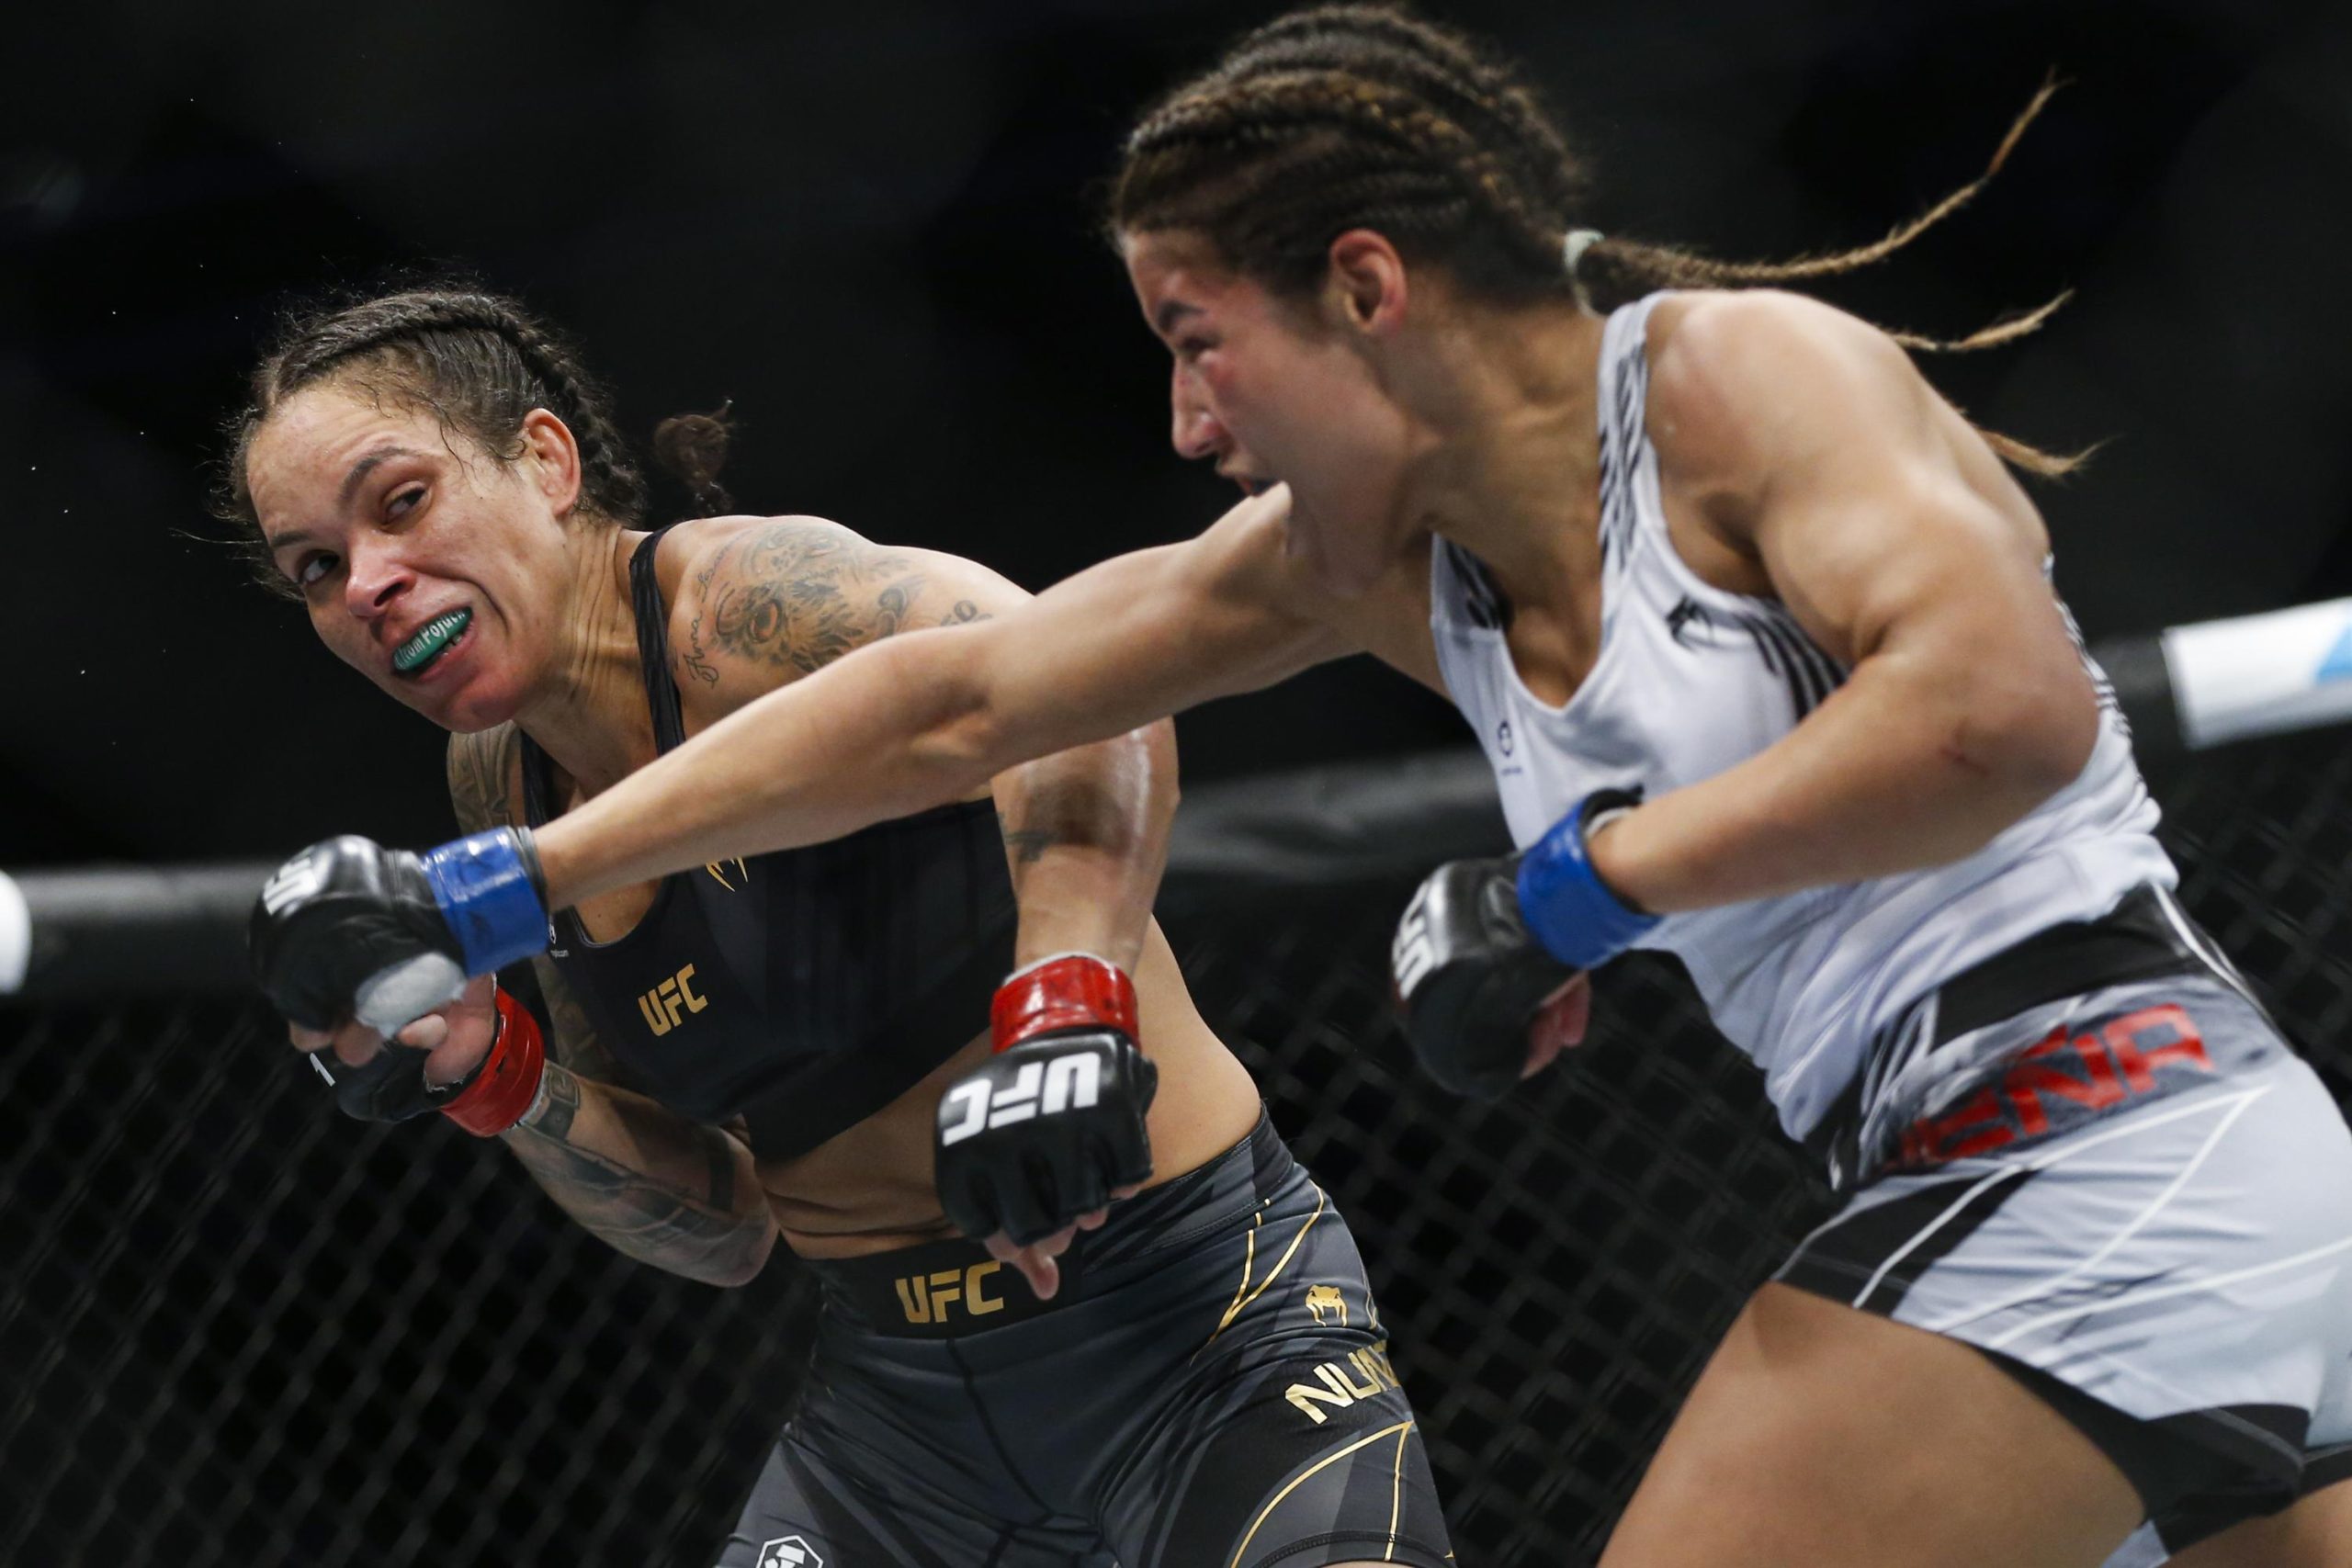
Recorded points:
(951, 1289)
(2145, 937)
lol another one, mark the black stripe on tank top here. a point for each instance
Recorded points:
(1792, 657)
(1620, 450)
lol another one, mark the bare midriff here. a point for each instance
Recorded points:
(870, 1189)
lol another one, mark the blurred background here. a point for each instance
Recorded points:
(872, 227)
(237, 1329)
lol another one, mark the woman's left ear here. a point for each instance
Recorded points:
(554, 457)
(1366, 278)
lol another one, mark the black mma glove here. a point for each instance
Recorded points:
(1044, 1130)
(351, 928)
(1469, 978)
(387, 1087)
(391, 1087)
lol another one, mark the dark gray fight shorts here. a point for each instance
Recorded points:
(1210, 1389)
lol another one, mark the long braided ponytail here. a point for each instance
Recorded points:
(1365, 115)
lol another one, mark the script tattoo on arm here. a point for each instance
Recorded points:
(695, 659)
(797, 594)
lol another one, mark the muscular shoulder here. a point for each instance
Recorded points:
(1742, 382)
(1763, 403)
(758, 602)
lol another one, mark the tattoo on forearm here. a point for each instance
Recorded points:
(687, 1228)
(801, 594)
(723, 1172)
(1026, 845)
(554, 1119)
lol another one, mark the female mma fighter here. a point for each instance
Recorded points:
(1758, 634)
(756, 1047)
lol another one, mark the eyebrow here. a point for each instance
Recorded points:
(368, 465)
(1165, 319)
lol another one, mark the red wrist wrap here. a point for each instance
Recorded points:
(509, 1079)
(1076, 990)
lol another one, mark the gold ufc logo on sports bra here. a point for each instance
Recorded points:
(670, 1000)
(926, 1298)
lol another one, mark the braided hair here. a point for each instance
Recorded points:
(1343, 117)
(480, 363)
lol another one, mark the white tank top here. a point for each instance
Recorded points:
(1691, 679)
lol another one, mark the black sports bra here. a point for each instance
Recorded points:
(804, 989)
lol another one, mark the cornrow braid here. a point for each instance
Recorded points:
(1365, 115)
(479, 361)
(1357, 115)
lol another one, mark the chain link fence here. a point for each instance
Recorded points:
(236, 1328)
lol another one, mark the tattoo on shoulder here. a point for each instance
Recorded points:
(481, 777)
(965, 610)
(695, 658)
(798, 595)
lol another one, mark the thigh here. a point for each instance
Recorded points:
(815, 1505)
(1823, 1437)
(1281, 1435)
(2315, 1533)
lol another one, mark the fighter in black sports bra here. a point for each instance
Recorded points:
(809, 987)
(760, 1048)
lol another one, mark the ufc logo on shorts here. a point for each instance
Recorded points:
(792, 1552)
(297, 879)
(1413, 955)
(1072, 1082)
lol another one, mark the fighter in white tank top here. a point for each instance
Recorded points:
(1691, 679)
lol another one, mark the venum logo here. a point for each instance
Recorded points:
(1326, 1299)
(791, 1551)
(1072, 1082)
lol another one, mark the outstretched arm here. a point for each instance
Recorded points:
(934, 716)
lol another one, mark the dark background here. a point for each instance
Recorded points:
(871, 226)
(235, 1329)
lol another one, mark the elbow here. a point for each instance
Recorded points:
(960, 739)
(740, 1263)
(965, 745)
(2027, 743)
